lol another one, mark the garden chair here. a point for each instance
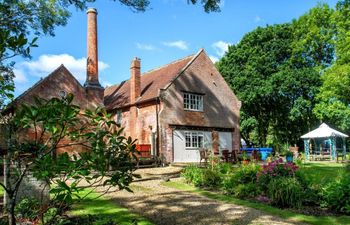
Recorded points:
(255, 155)
(226, 155)
(203, 155)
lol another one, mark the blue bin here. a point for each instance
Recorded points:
(264, 151)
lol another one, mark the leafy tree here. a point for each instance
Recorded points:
(334, 101)
(278, 96)
(209, 5)
(314, 32)
(342, 23)
(275, 71)
(38, 131)
(248, 67)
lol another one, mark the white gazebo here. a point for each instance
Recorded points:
(324, 134)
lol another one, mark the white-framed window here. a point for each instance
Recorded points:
(194, 139)
(119, 116)
(193, 102)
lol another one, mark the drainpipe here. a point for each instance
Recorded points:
(157, 129)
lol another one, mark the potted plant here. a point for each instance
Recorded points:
(289, 156)
(245, 158)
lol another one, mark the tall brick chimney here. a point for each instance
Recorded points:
(135, 92)
(92, 85)
(135, 79)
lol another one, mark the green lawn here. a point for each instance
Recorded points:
(320, 173)
(106, 210)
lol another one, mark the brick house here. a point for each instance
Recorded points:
(177, 108)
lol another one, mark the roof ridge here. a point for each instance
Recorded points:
(168, 64)
(42, 79)
(194, 57)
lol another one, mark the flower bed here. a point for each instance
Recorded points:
(278, 183)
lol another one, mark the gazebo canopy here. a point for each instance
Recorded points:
(324, 131)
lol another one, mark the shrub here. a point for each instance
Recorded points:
(247, 173)
(28, 208)
(275, 169)
(312, 196)
(211, 178)
(249, 190)
(285, 192)
(336, 195)
(193, 174)
(242, 175)
(224, 168)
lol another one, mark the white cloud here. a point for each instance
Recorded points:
(105, 83)
(20, 77)
(220, 47)
(177, 44)
(48, 63)
(214, 59)
(146, 47)
(257, 19)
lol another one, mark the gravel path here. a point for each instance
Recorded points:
(167, 206)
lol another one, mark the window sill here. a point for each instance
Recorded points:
(189, 148)
(193, 110)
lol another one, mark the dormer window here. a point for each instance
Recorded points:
(193, 102)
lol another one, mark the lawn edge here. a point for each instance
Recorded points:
(285, 214)
(140, 218)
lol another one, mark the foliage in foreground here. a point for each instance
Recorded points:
(336, 195)
(37, 131)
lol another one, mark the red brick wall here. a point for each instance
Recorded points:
(221, 107)
(140, 128)
(59, 80)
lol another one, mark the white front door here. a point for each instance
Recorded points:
(187, 144)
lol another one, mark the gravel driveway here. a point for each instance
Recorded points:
(167, 206)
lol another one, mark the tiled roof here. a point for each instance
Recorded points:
(152, 81)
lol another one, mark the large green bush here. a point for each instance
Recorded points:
(224, 168)
(244, 191)
(211, 178)
(285, 192)
(336, 195)
(193, 174)
(206, 177)
(245, 174)
(273, 170)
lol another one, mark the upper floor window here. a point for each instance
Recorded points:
(193, 102)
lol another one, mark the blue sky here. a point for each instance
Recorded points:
(169, 30)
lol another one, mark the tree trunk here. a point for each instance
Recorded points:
(6, 179)
(11, 210)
